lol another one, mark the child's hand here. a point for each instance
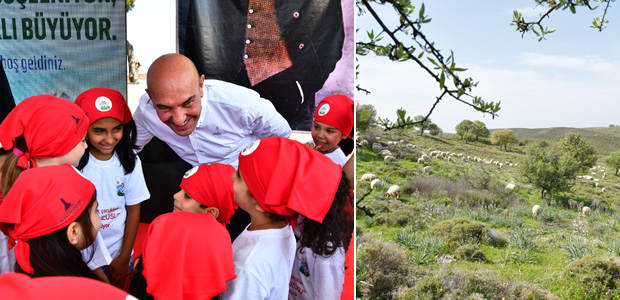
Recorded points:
(119, 267)
(311, 145)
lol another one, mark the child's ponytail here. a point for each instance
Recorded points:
(337, 227)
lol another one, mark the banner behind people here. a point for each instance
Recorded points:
(62, 47)
(284, 50)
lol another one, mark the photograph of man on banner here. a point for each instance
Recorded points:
(283, 50)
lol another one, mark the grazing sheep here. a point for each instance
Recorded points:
(426, 158)
(572, 203)
(428, 170)
(586, 211)
(389, 158)
(595, 203)
(385, 153)
(393, 191)
(510, 186)
(378, 138)
(364, 143)
(421, 160)
(375, 183)
(368, 177)
(376, 147)
(536, 210)
(603, 189)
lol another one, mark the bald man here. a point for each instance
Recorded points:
(203, 121)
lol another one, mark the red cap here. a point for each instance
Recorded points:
(287, 177)
(336, 111)
(212, 186)
(41, 201)
(21, 286)
(187, 256)
(52, 127)
(100, 103)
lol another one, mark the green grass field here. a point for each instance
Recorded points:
(458, 233)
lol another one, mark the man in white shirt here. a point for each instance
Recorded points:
(204, 122)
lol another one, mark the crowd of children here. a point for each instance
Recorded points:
(75, 213)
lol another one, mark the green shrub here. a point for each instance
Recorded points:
(380, 267)
(576, 249)
(430, 287)
(470, 252)
(592, 277)
(460, 231)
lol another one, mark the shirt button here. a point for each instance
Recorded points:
(295, 15)
(251, 11)
(249, 25)
(247, 41)
(197, 151)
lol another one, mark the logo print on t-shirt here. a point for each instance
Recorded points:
(120, 189)
(191, 172)
(303, 268)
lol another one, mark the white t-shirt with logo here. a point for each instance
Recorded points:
(337, 156)
(317, 277)
(114, 191)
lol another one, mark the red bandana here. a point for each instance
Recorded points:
(212, 186)
(187, 256)
(287, 177)
(100, 103)
(336, 111)
(41, 201)
(52, 127)
(20, 286)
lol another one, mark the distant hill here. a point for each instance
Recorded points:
(604, 139)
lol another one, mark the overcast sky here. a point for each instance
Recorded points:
(569, 80)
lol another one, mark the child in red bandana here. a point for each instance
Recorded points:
(333, 121)
(186, 256)
(49, 215)
(277, 180)
(115, 169)
(208, 189)
(40, 131)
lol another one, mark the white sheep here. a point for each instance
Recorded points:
(375, 183)
(376, 147)
(572, 203)
(368, 177)
(421, 160)
(393, 191)
(385, 153)
(389, 158)
(426, 158)
(536, 210)
(595, 203)
(603, 189)
(428, 170)
(510, 186)
(586, 211)
(364, 143)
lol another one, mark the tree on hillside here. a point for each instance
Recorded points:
(577, 147)
(406, 41)
(464, 130)
(423, 123)
(366, 116)
(549, 168)
(434, 130)
(480, 129)
(503, 137)
(614, 161)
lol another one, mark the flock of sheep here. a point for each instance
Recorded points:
(394, 190)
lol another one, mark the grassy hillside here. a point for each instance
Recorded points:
(458, 233)
(604, 139)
